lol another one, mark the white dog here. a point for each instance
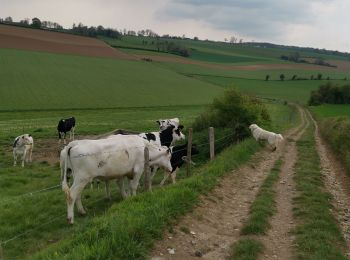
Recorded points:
(23, 145)
(261, 134)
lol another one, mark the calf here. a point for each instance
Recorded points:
(23, 145)
(177, 160)
(64, 126)
(107, 159)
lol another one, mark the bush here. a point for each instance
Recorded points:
(336, 131)
(233, 110)
(331, 94)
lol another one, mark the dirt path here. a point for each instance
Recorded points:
(278, 240)
(214, 225)
(337, 184)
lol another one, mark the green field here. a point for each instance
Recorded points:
(50, 81)
(328, 110)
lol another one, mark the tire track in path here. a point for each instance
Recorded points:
(337, 183)
(278, 241)
(214, 225)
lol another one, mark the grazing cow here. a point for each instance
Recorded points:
(23, 145)
(106, 159)
(64, 126)
(260, 134)
(164, 123)
(178, 155)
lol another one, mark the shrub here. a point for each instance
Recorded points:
(233, 110)
(336, 131)
(331, 94)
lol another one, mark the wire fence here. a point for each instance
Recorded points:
(219, 143)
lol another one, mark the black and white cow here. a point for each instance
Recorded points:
(178, 155)
(164, 123)
(64, 126)
(23, 145)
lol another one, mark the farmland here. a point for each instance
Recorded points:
(38, 87)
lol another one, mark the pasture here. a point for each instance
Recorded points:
(46, 220)
(330, 110)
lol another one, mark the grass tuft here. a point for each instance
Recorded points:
(247, 249)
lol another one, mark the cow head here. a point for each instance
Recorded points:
(164, 123)
(160, 156)
(177, 134)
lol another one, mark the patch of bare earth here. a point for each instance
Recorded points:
(337, 183)
(278, 241)
(47, 41)
(214, 225)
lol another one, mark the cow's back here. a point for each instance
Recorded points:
(108, 158)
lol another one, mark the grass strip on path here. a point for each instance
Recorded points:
(263, 207)
(129, 228)
(318, 235)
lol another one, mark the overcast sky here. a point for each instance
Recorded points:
(310, 23)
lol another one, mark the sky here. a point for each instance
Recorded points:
(305, 23)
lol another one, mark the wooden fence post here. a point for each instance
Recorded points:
(189, 151)
(147, 172)
(211, 143)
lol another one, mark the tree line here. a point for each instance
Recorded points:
(330, 93)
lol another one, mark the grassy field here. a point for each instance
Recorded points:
(328, 110)
(31, 80)
(50, 205)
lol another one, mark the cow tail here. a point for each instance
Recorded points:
(65, 186)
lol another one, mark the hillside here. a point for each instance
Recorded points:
(40, 40)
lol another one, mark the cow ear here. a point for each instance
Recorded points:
(158, 122)
(181, 127)
(22, 136)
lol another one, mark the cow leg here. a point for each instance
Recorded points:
(64, 138)
(24, 157)
(154, 169)
(166, 175)
(173, 176)
(134, 183)
(14, 158)
(80, 207)
(122, 189)
(75, 191)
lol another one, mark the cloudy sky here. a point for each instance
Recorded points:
(311, 23)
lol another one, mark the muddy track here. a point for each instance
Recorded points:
(214, 225)
(337, 183)
(278, 241)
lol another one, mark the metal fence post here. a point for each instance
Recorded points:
(212, 142)
(147, 179)
(189, 151)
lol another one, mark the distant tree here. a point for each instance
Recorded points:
(225, 40)
(24, 22)
(282, 77)
(345, 78)
(267, 77)
(240, 41)
(319, 76)
(8, 19)
(195, 38)
(312, 77)
(294, 77)
(328, 78)
(36, 23)
(233, 39)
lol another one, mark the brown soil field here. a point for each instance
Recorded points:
(269, 66)
(40, 40)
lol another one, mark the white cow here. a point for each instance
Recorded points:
(260, 134)
(23, 145)
(106, 159)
